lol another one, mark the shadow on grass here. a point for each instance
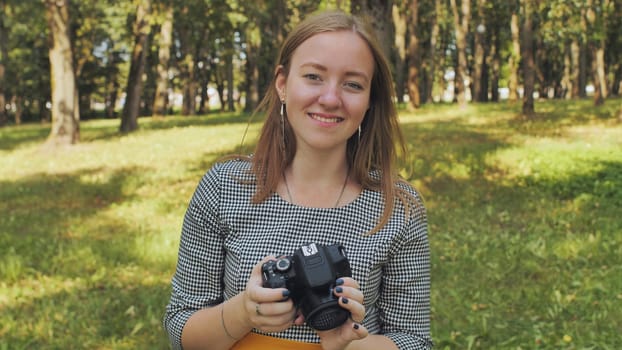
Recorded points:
(96, 315)
(146, 124)
(603, 183)
(74, 278)
(108, 129)
(44, 215)
(157, 123)
(440, 151)
(12, 137)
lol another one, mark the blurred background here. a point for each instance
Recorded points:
(129, 58)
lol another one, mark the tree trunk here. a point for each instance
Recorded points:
(380, 12)
(583, 60)
(597, 48)
(480, 74)
(4, 54)
(160, 102)
(17, 101)
(514, 57)
(134, 90)
(566, 83)
(253, 42)
(400, 18)
(575, 54)
(204, 79)
(189, 86)
(600, 79)
(414, 55)
(462, 21)
(229, 76)
(112, 82)
(65, 115)
(495, 55)
(616, 84)
(434, 38)
(528, 59)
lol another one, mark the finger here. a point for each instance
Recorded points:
(357, 310)
(271, 309)
(272, 317)
(359, 331)
(350, 293)
(348, 282)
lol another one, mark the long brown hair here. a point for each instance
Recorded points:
(380, 139)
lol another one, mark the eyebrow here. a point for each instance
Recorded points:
(354, 73)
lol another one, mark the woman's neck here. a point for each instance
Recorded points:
(316, 181)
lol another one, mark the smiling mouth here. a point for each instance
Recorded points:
(325, 119)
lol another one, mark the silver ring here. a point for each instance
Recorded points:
(257, 310)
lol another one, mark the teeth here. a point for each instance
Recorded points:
(326, 120)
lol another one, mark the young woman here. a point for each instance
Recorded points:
(323, 172)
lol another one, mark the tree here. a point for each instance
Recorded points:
(400, 18)
(614, 47)
(381, 15)
(596, 16)
(414, 54)
(165, 40)
(514, 60)
(3, 57)
(528, 59)
(462, 20)
(65, 113)
(500, 35)
(434, 62)
(480, 57)
(252, 39)
(131, 109)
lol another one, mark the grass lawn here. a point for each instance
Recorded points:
(525, 225)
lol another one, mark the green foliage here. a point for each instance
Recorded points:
(524, 226)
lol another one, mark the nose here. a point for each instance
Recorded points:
(330, 97)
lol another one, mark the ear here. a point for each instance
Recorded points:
(280, 81)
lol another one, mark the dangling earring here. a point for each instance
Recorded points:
(283, 121)
(359, 140)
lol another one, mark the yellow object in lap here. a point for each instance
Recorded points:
(254, 341)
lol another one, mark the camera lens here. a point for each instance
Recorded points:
(283, 264)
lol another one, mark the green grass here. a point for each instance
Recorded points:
(524, 219)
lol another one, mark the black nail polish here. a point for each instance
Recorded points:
(286, 293)
(339, 281)
(356, 326)
(344, 300)
(339, 290)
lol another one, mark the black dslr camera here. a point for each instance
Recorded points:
(310, 276)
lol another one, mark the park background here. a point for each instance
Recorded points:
(113, 110)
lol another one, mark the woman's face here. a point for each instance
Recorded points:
(327, 89)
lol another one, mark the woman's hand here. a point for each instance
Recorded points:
(267, 309)
(351, 299)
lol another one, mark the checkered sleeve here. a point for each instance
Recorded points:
(197, 282)
(405, 298)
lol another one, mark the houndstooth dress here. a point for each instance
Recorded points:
(224, 235)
